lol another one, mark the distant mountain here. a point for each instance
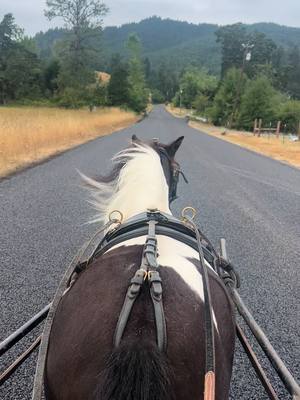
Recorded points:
(170, 42)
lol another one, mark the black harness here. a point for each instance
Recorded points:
(150, 224)
(147, 274)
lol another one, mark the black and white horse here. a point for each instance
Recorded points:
(82, 362)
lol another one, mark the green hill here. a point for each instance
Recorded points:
(174, 43)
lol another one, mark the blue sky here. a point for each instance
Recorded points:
(29, 13)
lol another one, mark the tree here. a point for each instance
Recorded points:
(292, 73)
(231, 38)
(137, 93)
(118, 84)
(259, 100)
(289, 115)
(9, 34)
(166, 82)
(51, 73)
(193, 83)
(23, 75)
(225, 101)
(262, 52)
(236, 42)
(83, 19)
(20, 68)
(200, 103)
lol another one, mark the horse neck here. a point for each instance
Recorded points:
(141, 185)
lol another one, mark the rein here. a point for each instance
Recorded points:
(210, 356)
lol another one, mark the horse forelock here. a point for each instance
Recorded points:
(135, 183)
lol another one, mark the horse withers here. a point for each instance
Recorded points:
(83, 362)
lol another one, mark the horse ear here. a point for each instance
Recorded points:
(174, 146)
(134, 139)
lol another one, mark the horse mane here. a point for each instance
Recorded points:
(135, 183)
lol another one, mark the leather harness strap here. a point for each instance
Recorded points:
(147, 273)
(131, 295)
(160, 321)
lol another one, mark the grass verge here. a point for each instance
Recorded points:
(29, 134)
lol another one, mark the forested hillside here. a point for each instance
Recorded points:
(230, 74)
(173, 43)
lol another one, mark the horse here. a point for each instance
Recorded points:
(82, 361)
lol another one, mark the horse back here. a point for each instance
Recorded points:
(81, 340)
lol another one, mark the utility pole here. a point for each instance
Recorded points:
(246, 57)
(181, 91)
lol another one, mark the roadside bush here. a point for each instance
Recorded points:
(200, 103)
(289, 115)
(73, 98)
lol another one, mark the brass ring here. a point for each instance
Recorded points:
(116, 220)
(185, 213)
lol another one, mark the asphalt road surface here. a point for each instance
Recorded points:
(252, 201)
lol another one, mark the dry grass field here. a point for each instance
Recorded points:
(28, 135)
(281, 149)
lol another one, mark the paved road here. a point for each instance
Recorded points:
(251, 200)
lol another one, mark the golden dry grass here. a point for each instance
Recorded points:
(286, 151)
(29, 135)
(277, 148)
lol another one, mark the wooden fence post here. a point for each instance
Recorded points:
(259, 126)
(255, 126)
(278, 129)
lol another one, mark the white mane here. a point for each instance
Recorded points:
(140, 185)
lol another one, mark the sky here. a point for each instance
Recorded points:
(29, 13)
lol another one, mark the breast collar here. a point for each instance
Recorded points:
(167, 225)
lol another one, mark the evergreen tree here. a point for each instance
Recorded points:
(226, 105)
(9, 34)
(118, 84)
(292, 73)
(167, 82)
(259, 100)
(232, 38)
(23, 75)
(51, 76)
(20, 68)
(236, 43)
(137, 94)
(262, 52)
